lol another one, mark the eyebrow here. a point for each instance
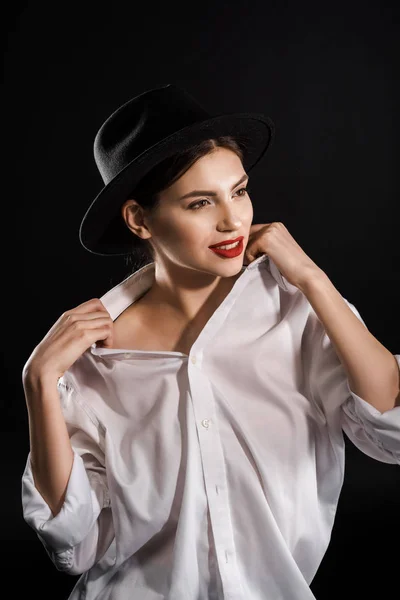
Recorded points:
(210, 193)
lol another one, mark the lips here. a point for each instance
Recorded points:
(226, 242)
(232, 253)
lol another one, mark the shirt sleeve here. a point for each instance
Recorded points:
(376, 434)
(81, 533)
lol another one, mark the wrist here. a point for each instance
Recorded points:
(315, 277)
(35, 377)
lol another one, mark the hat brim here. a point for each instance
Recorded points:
(103, 231)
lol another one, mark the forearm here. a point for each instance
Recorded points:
(371, 368)
(50, 446)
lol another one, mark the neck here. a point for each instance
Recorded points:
(185, 298)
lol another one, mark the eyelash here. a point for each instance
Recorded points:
(246, 189)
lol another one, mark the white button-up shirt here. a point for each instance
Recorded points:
(213, 475)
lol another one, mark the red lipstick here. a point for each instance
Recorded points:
(232, 252)
(226, 242)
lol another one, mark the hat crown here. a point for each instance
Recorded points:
(141, 123)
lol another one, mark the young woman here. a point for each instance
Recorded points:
(186, 429)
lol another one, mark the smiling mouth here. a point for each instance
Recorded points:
(226, 246)
(227, 243)
(232, 252)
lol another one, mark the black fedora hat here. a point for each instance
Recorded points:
(140, 134)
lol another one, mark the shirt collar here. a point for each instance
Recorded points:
(130, 289)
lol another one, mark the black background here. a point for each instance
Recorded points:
(328, 76)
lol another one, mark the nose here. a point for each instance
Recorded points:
(230, 221)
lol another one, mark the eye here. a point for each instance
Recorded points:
(195, 206)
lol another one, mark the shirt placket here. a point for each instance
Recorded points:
(215, 477)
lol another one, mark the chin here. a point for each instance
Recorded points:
(229, 267)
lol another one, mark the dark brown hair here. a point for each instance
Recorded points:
(147, 193)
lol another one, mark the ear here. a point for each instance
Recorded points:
(130, 210)
(132, 213)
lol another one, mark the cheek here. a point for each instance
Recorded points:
(180, 232)
(167, 229)
(194, 233)
(250, 215)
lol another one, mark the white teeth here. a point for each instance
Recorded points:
(228, 246)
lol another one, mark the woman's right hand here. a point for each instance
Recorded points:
(73, 333)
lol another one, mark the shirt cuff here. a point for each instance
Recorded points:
(78, 513)
(383, 429)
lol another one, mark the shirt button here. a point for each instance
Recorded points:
(205, 423)
(194, 360)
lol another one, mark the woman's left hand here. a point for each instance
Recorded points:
(275, 240)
